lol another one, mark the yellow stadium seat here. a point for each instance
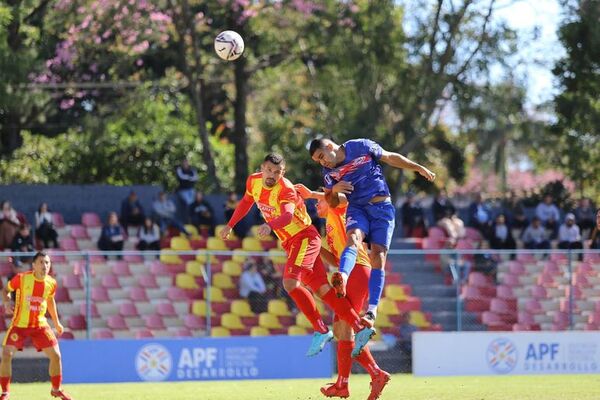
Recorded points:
(199, 308)
(201, 256)
(279, 245)
(251, 244)
(214, 243)
(297, 331)
(216, 294)
(223, 281)
(254, 231)
(232, 268)
(395, 292)
(231, 321)
(302, 321)
(259, 331)
(269, 321)
(239, 257)
(180, 243)
(388, 307)
(170, 259)
(186, 281)
(194, 268)
(192, 230)
(418, 319)
(279, 308)
(383, 321)
(219, 331)
(241, 308)
(276, 257)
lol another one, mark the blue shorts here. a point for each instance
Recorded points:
(376, 221)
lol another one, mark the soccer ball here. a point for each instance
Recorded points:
(229, 45)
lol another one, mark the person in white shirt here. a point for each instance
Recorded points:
(149, 236)
(535, 236)
(549, 214)
(569, 235)
(165, 214)
(44, 226)
(253, 288)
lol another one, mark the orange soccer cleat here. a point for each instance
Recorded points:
(339, 284)
(59, 393)
(377, 385)
(333, 390)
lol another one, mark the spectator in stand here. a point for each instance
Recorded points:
(230, 204)
(453, 226)
(413, 218)
(202, 214)
(569, 235)
(406, 331)
(44, 227)
(585, 215)
(149, 236)
(253, 288)
(480, 216)
(9, 225)
(535, 236)
(501, 236)
(515, 212)
(22, 242)
(132, 211)
(595, 236)
(112, 236)
(549, 215)
(164, 213)
(187, 177)
(442, 207)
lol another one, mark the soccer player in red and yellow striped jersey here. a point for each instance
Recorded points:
(357, 293)
(34, 295)
(285, 213)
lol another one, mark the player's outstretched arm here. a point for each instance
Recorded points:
(399, 161)
(54, 315)
(240, 212)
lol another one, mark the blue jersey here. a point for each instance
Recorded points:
(361, 168)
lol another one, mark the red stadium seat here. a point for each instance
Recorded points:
(111, 282)
(194, 322)
(133, 258)
(62, 295)
(148, 281)
(104, 334)
(58, 220)
(128, 310)
(76, 323)
(182, 332)
(538, 292)
(154, 322)
(138, 294)
(68, 244)
(143, 333)
(72, 282)
(179, 294)
(79, 232)
(117, 323)
(67, 335)
(91, 219)
(83, 310)
(120, 268)
(166, 310)
(504, 292)
(100, 295)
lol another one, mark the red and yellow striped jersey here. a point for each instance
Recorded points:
(269, 200)
(31, 299)
(335, 235)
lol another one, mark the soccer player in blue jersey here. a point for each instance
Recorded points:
(354, 169)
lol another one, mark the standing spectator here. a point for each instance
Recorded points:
(585, 215)
(253, 288)
(535, 236)
(480, 216)
(413, 219)
(501, 237)
(202, 214)
(549, 215)
(442, 207)
(230, 204)
(164, 212)
(149, 236)
(569, 235)
(9, 225)
(132, 211)
(453, 226)
(44, 227)
(22, 242)
(112, 236)
(187, 177)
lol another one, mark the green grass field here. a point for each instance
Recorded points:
(548, 387)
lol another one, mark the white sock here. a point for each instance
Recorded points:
(372, 309)
(344, 276)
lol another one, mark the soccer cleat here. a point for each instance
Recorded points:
(333, 390)
(377, 385)
(59, 393)
(361, 339)
(368, 320)
(339, 284)
(319, 340)
(4, 396)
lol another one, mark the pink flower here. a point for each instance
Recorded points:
(65, 104)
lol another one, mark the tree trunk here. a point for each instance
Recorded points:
(240, 139)
(10, 134)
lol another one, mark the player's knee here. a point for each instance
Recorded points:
(290, 284)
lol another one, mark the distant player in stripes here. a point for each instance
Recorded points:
(357, 293)
(371, 214)
(34, 295)
(285, 213)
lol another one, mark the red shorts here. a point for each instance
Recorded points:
(304, 263)
(357, 288)
(42, 337)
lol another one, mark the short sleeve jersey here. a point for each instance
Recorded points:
(31, 300)
(335, 235)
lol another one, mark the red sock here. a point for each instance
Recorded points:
(343, 309)
(365, 358)
(5, 383)
(305, 302)
(344, 359)
(56, 380)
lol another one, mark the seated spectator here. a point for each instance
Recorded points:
(44, 227)
(230, 205)
(9, 225)
(595, 236)
(202, 214)
(406, 331)
(515, 212)
(165, 214)
(442, 206)
(413, 219)
(501, 237)
(535, 236)
(149, 236)
(22, 242)
(549, 215)
(112, 236)
(132, 211)
(569, 235)
(187, 177)
(585, 215)
(253, 288)
(480, 216)
(453, 226)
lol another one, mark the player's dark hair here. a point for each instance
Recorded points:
(39, 254)
(274, 158)
(315, 145)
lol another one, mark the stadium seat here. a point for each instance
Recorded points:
(68, 244)
(223, 281)
(199, 308)
(241, 308)
(180, 243)
(276, 256)
(388, 307)
(79, 232)
(215, 243)
(538, 292)
(111, 282)
(117, 323)
(239, 257)
(279, 308)
(231, 321)
(198, 243)
(62, 295)
(176, 294)
(195, 268)
(232, 268)
(91, 219)
(76, 322)
(192, 230)
(103, 333)
(148, 281)
(395, 292)
(58, 220)
(94, 309)
(120, 268)
(219, 331)
(259, 331)
(138, 294)
(418, 319)
(383, 321)
(269, 321)
(194, 322)
(100, 295)
(154, 322)
(143, 333)
(186, 281)
(166, 309)
(67, 335)
(297, 331)
(170, 259)
(128, 310)
(133, 258)
(251, 244)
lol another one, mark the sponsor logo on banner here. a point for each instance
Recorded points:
(502, 355)
(212, 362)
(153, 362)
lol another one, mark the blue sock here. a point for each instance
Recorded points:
(347, 260)
(376, 282)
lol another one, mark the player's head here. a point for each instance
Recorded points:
(324, 152)
(41, 264)
(272, 168)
